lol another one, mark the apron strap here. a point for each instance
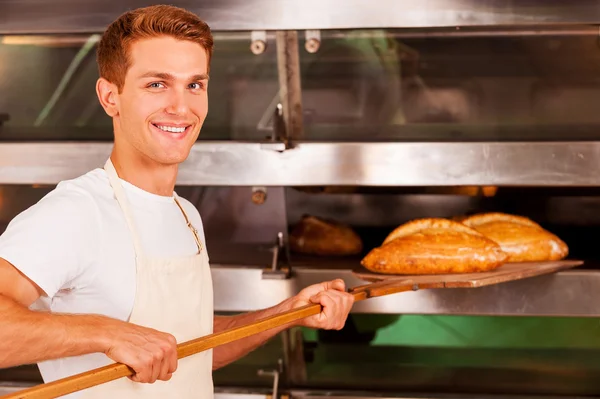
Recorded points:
(124, 203)
(121, 197)
(189, 224)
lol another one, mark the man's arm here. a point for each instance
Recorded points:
(336, 305)
(225, 354)
(29, 337)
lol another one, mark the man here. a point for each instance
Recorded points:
(115, 256)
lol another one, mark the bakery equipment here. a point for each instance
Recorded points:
(372, 115)
(383, 285)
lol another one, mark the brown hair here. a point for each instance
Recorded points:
(143, 23)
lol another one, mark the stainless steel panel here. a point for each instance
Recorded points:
(37, 16)
(570, 293)
(236, 289)
(308, 164)
(49, 163)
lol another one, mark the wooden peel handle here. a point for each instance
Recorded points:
(115, 371)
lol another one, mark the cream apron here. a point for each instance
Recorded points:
(173, 296)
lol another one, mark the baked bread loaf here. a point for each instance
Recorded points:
(427, 225)
(434, 246)
(522, 239)
(318, 236)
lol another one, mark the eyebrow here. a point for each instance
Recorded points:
(168, 76)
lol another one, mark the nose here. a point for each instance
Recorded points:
(177, 103)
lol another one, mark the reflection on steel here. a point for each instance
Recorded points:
(37, 16)
(49, 163)
(552, 295)
(369, 164)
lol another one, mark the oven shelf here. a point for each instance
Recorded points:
(572, 293)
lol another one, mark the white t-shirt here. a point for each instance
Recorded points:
(76, 245)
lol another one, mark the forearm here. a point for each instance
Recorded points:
(225, 354)
(28, 337)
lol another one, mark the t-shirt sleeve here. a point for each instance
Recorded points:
(55, 240)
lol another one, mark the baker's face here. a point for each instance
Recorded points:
(164, 100)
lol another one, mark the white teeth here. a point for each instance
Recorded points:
(171, 129)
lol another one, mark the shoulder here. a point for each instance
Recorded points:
(92, 185)
(76, 196)
(64, 228)
(72, 206)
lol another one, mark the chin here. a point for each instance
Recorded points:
(172, 158)
(172, 154)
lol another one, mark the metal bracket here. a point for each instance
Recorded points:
(283, 118)
(312, 41)
(280, 265)
(258, 43)
(259, 195)
(275, 374)
(280, 133)
(278, 138)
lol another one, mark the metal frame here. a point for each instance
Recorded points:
(290, 88)
(65, 16)
(316, 164)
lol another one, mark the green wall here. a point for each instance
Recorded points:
(477, 331)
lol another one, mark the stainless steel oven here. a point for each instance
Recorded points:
(371, 114)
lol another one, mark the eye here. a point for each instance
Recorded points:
(155, 85)
(196, 85)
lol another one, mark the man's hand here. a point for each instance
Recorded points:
(334, 299)
(150, 353)
(29, 337)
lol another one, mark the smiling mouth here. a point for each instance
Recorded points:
(172, 129)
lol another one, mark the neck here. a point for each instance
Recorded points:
(144, 173)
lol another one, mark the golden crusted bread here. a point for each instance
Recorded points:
(418, 225)
(434, 246)
(318, 236)
(522, 239)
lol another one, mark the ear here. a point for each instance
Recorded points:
(108, 95)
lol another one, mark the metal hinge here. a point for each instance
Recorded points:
(280, 261)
